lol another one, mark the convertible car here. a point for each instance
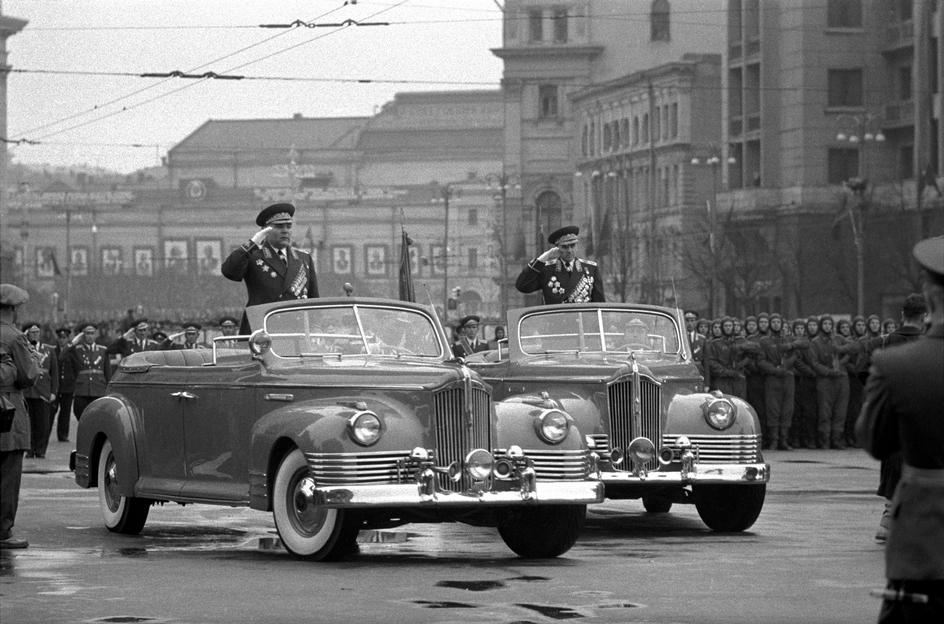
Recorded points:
(337, 415)
(624, 373)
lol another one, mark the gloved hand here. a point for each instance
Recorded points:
(259, 237)
(550, 255)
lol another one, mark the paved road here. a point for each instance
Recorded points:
(809, 558)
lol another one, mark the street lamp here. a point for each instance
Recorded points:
(713, 161)
(445, 192)
(859, 137)
(503, 181)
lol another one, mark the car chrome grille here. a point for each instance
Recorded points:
(355, 468)
(558, 464)
(621, 429)
(455, 434)
(721, 449)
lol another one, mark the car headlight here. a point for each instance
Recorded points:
(720, 413)
(552, 426)
(365, 427)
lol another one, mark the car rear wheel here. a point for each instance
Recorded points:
(122, 514)
(543, 531)
(307, 530)
(656, 504)
(729, 508)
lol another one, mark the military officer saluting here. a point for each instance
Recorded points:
(272, 269)
(560, 275)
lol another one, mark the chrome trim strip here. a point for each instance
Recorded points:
(406, 495)
(701, 473)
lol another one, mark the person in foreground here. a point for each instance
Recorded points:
(903, 412)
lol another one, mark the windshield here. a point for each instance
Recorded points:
(352, 330)
(599, 330)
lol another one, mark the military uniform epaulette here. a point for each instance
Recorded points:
(590, 262)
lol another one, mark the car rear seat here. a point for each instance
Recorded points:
(176, 357)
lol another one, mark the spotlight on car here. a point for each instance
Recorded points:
(259, 343)
(641, 451)
(479, 464)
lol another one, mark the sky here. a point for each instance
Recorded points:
(79, 117)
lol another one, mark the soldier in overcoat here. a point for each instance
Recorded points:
(19, 368)
(902, 413)
(560, 275)
(271, 267)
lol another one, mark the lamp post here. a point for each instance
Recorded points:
(503, 181)
(444, 193)
(713, 161)
(859, 136)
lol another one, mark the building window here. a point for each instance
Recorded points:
(906, 162)
(635, 130)
(624, 132)
(473, 258)
(660, 20)
(535, 25)
(473, 216)
(673, 121)
(547, 96)
(645, 128)
(844, 14)
(656, 125)
(904, 83)
(845, 87)
(905, 10)
(560, 25)
(584, 143)
(843, 163)
(607, 139)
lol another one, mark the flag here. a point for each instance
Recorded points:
(406, 275)
(55, 263)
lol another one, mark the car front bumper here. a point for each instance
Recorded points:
(409, 494)
(699, 473)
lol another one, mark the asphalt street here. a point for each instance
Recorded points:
(809, 558)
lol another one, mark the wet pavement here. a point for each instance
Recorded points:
(809, 558)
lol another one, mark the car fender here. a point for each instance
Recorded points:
(686, 415)
(516, 426)
(110, 417)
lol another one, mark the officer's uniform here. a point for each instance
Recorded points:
(126, 346)
(191, 333)
(578, 282)
(41, 394)
(89, 367)
(18, 370)
(902, 412)
(466, 346)
(268, 276)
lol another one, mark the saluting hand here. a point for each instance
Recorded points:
(550, 255)
(259, 237)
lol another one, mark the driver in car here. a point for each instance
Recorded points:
(635, 336)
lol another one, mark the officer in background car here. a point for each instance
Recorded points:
(272, 269)
(902, 413)
(560, 275)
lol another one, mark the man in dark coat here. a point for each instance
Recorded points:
(134, 340)
(88, 366)
(41, 396)
(19, 368)
(902, 413)
(560, 275)
(66, 385)
(468, 341)
(272, 269)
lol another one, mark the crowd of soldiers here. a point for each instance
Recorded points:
(76, 363)
(804, 377)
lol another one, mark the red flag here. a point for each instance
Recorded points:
(407, 292)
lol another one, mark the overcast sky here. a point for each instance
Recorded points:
(84, 118)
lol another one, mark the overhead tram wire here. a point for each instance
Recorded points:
(153, 86)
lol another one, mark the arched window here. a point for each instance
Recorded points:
(659, 17)
(549, 217)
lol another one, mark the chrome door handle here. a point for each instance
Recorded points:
(183, 395)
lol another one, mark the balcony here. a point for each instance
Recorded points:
(899, 114)
(898, 36)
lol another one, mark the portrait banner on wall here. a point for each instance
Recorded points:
(437, 259)
(376, 260)
(111, 260)
(175, 256)
(79, 260)
(415, 260)
(209, 256)
(143, 261)
(341, 259)
(46, 264)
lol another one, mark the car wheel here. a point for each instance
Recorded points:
(122, 514)
(307, 530)
(729, 508)
(543, 531)
(656, 504)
